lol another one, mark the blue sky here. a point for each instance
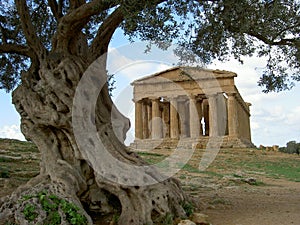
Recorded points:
(275, 117)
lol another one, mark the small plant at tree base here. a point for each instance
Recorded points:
(167, 219)
(29, 212)
(188, 208)
(115, 218)
(51, 204)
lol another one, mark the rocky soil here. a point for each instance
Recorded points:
(240, 187)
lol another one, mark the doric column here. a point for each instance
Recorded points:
(166, 120)
(221, 114)
(183, 117)
(156, 120)
(138, 120)
(193, 118)
(145, 121)
(174, 132)
(213, 116)
(248, 121)
(232, 115)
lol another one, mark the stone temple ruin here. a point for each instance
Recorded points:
(190, 106)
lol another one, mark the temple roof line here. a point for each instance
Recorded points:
(186, 69)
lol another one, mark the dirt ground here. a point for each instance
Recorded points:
(240, 187)
(276, 203)
(238, 195)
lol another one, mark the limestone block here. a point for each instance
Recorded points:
(269, 148)
(199, 218)
(186, 222)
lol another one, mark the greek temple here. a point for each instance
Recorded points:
(191, 105)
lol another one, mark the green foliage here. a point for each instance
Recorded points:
(188, 208)
(17, 145)
(292, 147)
(4, 172)
(51, 204)
(284, 169)
(29, 212)
(190, 169)
(167, 219)
(111, 83)
(4, 159)
(115, 218)
(204, 30)
(243, 28)
(151, 158)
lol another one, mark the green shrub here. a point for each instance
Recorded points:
(51, 204)
(188, 208)
(292, 147)
(4, 173)
(29, 212)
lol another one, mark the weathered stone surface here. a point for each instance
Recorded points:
(274, 148)
(186, 222)
(199, 143)
(199, 218)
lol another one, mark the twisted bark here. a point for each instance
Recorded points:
(71, 172)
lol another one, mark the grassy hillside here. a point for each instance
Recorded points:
(19, 161)
(234, 172)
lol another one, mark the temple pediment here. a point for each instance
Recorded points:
(180, 74)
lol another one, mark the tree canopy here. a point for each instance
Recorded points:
(206, 28)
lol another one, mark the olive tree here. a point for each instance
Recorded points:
(47, 47)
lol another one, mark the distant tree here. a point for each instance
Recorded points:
(282, 149)
(292, 147)
(47, 45)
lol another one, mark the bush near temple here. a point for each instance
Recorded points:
(292, 147)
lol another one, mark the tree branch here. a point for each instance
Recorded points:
(32, 39)
(77, 18)
(55, 9)
(104, 34)
(18, 49)
(288, 41)
(4, 38)
(60, 7)
(297, 25)
(76, 3)
(73, 22)
(107, 29)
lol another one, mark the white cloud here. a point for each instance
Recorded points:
(12, 132)
(131, 60)
(255, 125)
(142, 68)
(117, 60)
(293, 118)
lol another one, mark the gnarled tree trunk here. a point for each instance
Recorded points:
(45, 101)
